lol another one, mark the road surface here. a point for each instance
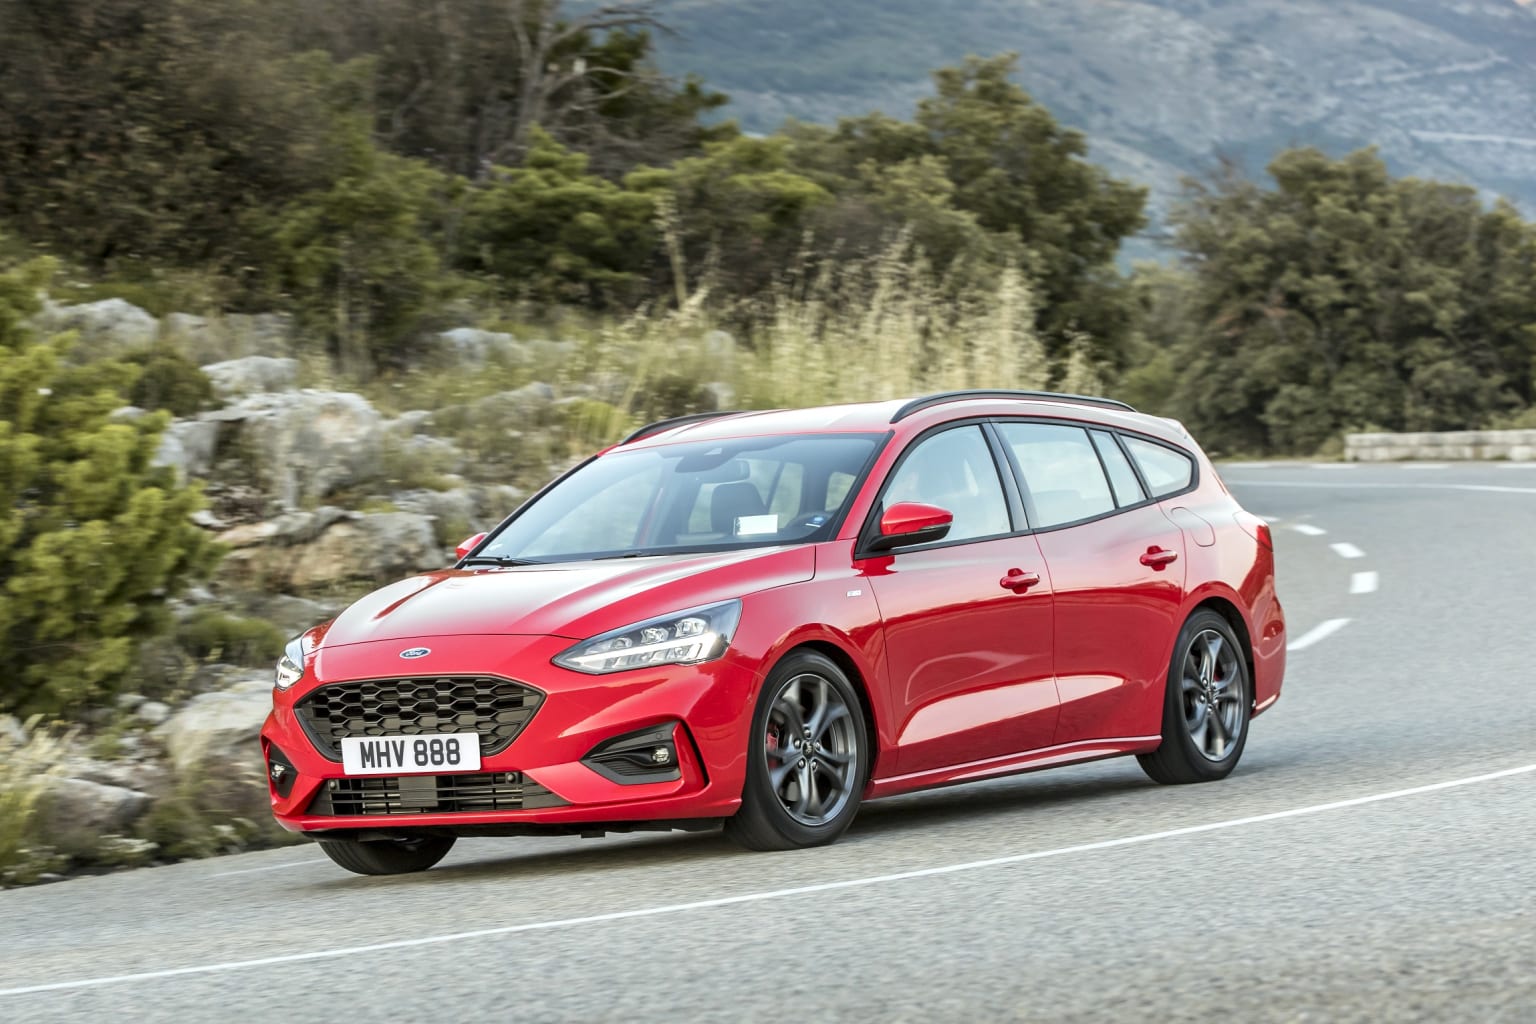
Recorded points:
(1373, 857)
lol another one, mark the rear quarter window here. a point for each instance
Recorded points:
(1166, 470)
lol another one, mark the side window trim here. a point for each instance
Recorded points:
(1119, 443)
(877, 506)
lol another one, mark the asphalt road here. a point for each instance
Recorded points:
(1373, 858)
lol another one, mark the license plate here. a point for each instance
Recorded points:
(397, 755)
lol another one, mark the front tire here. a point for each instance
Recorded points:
(1206, 706)
(807, 758)
(388, 856)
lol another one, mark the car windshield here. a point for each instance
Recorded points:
(700, 496)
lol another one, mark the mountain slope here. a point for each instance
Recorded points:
(1446, 88)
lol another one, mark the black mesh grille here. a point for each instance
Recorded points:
(495, 708)
(431, 794)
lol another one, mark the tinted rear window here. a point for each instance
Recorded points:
(1165, 470)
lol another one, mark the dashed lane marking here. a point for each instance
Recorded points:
(776, 894)
(270, 867)
(1344, 549)
(1308, 529)
(1317, 634)
(1336, 465)
(1364, 582)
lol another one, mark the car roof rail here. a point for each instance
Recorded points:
(676, 421)
(918, 404)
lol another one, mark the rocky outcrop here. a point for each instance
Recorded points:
(73, 813)
(213, 744)
(317, 552)
(304, 445)
(105, 330)
(235, 378)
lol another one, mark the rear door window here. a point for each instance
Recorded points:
(1166, 471)
(1062, 473)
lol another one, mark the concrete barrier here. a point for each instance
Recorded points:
(1448, 446)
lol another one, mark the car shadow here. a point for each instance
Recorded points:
(908, 813)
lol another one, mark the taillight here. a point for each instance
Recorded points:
(1256, 528)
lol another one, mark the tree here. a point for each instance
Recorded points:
(1014, 169)
(551, 232)
(464, 83)
(1346, 299)
(93, 538)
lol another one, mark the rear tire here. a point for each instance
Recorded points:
(807, 758)
(388, 856)
(1206, 705)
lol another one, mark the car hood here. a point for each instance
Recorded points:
(569, 599)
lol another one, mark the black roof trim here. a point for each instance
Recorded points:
(918, 404)
(676, 421)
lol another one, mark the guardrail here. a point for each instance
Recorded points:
(1447, 446)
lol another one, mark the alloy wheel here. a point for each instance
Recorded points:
(811, 748)
(1213, 694)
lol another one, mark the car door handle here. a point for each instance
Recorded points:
(1157, 557)
(1018, 580)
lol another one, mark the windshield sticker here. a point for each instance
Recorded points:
(752, 526)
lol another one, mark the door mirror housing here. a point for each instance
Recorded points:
(466, 546)
(911, 522)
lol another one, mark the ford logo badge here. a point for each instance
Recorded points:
(416, 652)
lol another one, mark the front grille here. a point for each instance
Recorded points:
(495, 708)
(431, 794)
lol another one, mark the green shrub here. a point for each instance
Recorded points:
(211, 635)
(170, 381)
(93, 537)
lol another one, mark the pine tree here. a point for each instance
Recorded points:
(93, 537)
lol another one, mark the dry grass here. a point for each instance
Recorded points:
(24, 770)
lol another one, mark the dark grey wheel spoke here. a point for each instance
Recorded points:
(825, 720)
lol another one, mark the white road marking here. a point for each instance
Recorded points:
(1319, 632)
(270, 867)
(1364, 583)
(1314, 485)
(776, 894)
(1422, 465)
(1308, 529)
(1344, 549)
(1335, 465)
(1516, 465)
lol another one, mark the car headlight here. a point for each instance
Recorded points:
(290, 667)
(682, 638)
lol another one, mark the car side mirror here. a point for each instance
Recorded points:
(466, 546)
(911, 522)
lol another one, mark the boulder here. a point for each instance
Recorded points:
(214, 749)
(106, 329)
(73, 814)
(152, 712)
(304, 445)
(11, 730)
(371, 548)
(188, 447)
(235, 378)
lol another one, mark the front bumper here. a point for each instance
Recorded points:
(541, 773)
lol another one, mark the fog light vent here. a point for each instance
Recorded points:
(637, 757)
(280, 772)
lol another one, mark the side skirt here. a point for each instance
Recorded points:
(1012, 764)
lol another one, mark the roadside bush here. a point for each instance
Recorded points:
(211, 635)
(169, 380)
(93, 537)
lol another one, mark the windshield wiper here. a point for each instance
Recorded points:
(626, 554)
(501, 561)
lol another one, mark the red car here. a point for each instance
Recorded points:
(766, 618)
